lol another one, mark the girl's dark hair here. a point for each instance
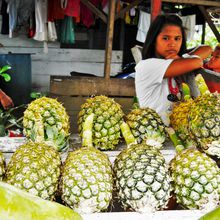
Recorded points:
(155, 29)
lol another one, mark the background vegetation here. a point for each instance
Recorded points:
(210, 38)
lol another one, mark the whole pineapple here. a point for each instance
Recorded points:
(146, 125)
(196, 180)
(45, 119)
(35, 168)
(204, 122)
(142, 178)
(2, 166)
(107, 119)
(86, 182)
(179, 121)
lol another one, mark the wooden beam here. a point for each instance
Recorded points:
(195, 2)
(87, 86)
(209, 21)
(122, 12)
(155, 8)
(95, 10)
(109, 39)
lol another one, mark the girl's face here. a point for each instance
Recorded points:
(168, 42)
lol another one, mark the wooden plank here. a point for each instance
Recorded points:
(66, 55)
(74, 103)
(95, 10)
(109, 39)
(155, 8)
(86, 86)
(195, 2)
(209, 21)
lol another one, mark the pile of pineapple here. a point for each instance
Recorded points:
(140, 177)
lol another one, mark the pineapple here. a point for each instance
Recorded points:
(17, 204)
(204, 123)
(195, 177)
(146, 125)
(179, 122)
(107, 120)
(87, 183)
(179, 117)
(142, 177)
(2, 166)
(45, 119)
(35, 168)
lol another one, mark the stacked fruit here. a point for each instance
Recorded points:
(143, 180)
(197, 122)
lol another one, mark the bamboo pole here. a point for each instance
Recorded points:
(109, 39)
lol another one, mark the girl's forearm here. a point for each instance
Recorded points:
(203, 51)
(183, 65)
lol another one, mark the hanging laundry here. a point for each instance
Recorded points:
(12, 11)
(71, 7)
(86, 15)
(19, 12)
(55, 12)
(41, 20)
(143, 26)
(189, 22)
(67, 31)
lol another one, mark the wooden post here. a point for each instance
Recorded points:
(210, 23)
(203, 34)
(109, 39)
(155, 8)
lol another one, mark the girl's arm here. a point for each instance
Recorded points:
(181, 66)
(202, 51)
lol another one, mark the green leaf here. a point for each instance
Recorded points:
(49, 132)
(5, 68)
(2, 130)
(60, 139)
(6, 77)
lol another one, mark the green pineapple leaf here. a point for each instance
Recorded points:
(60, 139)
(49, 132)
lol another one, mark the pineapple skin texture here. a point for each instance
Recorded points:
(146, 124)
(87, 181)
(142, 179)
(45, 119)
(35, 168)
(2, 166)
(179, 121)
(196, 180)
(106, 125)
(204, 123)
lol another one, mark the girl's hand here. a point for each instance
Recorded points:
(172, 56)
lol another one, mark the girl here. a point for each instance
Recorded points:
(163, 59)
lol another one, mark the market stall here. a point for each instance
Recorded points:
(46, 120)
